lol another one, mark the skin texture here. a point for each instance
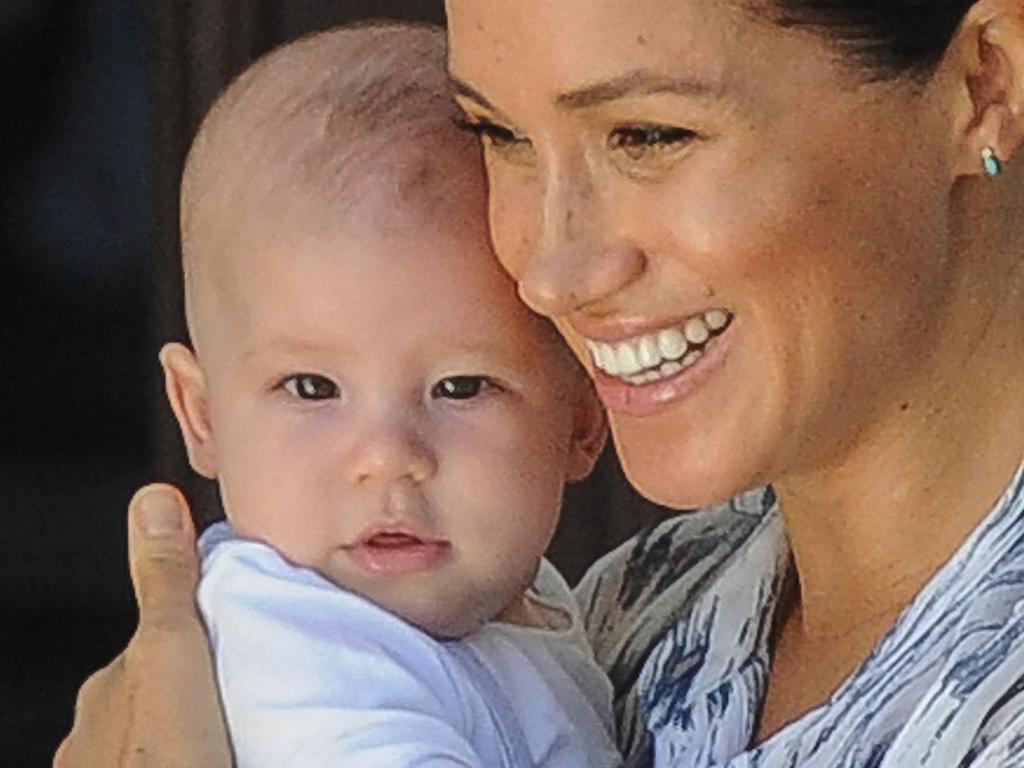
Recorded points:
(794, 243)
(374, 312)
(844, 224)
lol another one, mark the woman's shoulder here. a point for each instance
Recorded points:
(635, 592)
(635, 596)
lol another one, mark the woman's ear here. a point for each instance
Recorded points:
(590, 433)
(989, 62)
(187, 394)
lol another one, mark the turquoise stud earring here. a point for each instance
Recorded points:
(992, 164)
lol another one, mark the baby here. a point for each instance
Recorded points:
(390, 428)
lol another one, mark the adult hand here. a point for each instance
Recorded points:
(156, 705)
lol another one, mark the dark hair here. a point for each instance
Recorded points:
(887, 38)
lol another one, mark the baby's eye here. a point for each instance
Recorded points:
(641, 142)
(460, 387)
(310, 386)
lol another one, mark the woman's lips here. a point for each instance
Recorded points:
(396, 552)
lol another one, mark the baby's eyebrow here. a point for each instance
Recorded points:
(283, 345)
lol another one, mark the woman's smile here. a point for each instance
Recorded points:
(655, 355)
(670, 380)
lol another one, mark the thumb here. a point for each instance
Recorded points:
(163, 560)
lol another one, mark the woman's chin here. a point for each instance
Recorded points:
(680, 476)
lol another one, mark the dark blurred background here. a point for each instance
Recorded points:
(99, 101)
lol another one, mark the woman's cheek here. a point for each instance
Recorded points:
(718, 222)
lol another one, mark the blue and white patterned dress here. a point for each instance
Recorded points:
(682, 614)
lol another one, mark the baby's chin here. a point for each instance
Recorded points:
(449, 613)
(443, 622)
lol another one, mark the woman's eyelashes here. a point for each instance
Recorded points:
(498, 139)
(649, 142)
(310, 386)
(636, 143)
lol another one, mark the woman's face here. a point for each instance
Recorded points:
(658, 163)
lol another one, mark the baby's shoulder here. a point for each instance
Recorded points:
(249, 589)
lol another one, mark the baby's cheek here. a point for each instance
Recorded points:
(276, 490)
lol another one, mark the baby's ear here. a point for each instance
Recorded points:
(186, 392)
(590, 433)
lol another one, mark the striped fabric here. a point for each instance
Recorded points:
(681, 616)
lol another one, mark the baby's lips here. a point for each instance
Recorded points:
(397, 534)
(387, 551)
(387, 539)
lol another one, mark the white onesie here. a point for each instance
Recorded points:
(314, 676)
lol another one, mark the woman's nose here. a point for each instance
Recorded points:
(387, 453)
(576, 262)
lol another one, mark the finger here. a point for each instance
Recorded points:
(176, 711)
(176, 718)
(163, 560)
(101, 721)
(64, 758)
(95, 694)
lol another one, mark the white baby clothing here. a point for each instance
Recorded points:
(314, 676)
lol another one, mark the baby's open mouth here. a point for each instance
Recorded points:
(383, 550)
(393, 540)
(662, 354)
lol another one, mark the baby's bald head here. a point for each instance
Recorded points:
(354, 333)
(358, 116)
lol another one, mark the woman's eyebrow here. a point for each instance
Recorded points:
(639, 82)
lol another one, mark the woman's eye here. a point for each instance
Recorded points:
(497, 138)
(309, 386)
(460, 387)
(640, 142)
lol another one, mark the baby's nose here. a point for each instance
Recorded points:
(387, 453)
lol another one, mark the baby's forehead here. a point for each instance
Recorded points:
(428, 187)
(423, 190)
(387, 269)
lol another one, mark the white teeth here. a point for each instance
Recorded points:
(716, 319)
(645, 359)
(642, 378)
(606, 359)
(672, 343)
(671, 368)
(647, 352)
(695, 331)
(628, 364)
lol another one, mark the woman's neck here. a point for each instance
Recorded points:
(870, 530)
